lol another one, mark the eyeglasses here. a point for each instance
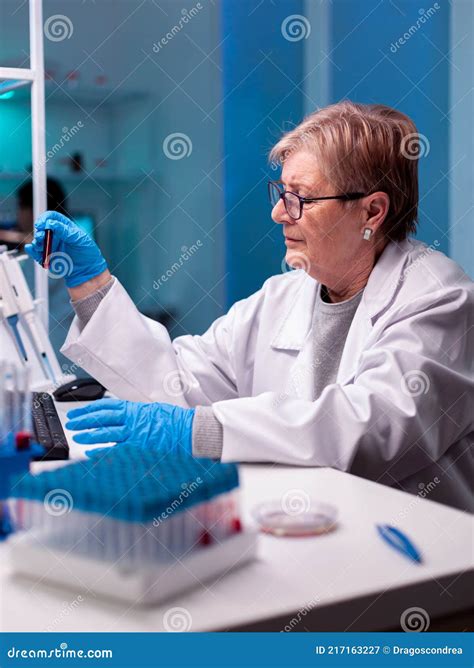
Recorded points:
(294, 203)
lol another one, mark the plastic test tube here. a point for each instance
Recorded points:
(47, 246)
(24, 399)
(11, 401)
(15, 405)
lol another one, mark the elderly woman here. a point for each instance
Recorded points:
(361, 360)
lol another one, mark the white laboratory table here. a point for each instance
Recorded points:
(347, 580)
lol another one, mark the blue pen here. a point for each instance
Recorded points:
(396, 539)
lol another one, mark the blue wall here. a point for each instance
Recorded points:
(241, 83)
(353, 51)
(414, 79)
(261, 74)
(462, 136)
(148, 207)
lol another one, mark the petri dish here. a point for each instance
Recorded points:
(280, 519)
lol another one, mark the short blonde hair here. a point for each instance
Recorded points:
(363, 148)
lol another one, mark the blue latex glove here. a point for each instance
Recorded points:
(159, 426)
(77, 259)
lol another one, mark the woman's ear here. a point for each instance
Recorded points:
(376, 207)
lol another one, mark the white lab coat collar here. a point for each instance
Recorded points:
(295, 324)
(378, 294)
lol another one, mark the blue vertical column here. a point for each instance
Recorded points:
(461, 135)
(262, 62)
(397, 54)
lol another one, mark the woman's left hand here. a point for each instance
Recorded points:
(159, 426)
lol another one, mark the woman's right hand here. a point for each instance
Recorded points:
(74, 255)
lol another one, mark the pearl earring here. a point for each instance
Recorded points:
(367, 233)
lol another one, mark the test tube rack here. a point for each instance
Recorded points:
(130, 524)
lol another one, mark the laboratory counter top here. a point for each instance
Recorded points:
(345, 580)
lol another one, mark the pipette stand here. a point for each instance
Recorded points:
(39, 380)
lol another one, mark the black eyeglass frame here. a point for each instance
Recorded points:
(306, 200)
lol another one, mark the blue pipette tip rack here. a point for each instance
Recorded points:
(135, 524)
(133, 484)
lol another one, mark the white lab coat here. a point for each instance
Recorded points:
(400, 412)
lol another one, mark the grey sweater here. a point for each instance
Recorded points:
(331, 323)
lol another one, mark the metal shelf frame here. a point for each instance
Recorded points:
(35, 75)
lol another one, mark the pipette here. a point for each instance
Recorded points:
(26, 308)
(9, 311)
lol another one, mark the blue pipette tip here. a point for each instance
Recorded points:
(13, 322)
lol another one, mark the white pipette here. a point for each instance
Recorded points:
(26, 308)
